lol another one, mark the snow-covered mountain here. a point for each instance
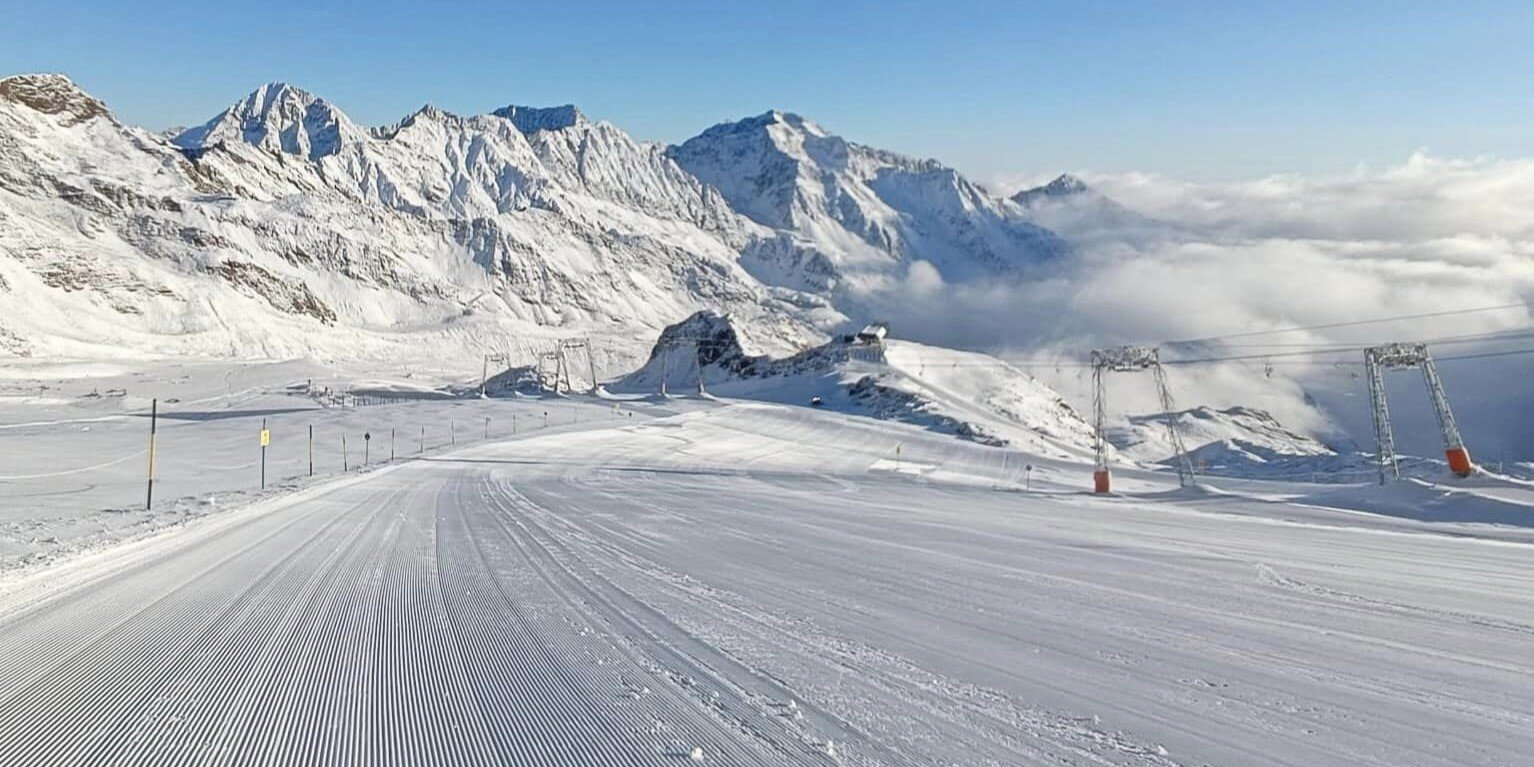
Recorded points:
(279, 118)
(1062, 187)
(1086, 217)
(280, 229)
(283, 228)
(853, 216)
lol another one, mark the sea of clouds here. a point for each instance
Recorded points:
(1159, 259)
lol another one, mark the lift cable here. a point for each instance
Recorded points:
(1354, 323)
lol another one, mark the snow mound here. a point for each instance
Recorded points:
(1418, 499)
(968, 395)
(1232, 437)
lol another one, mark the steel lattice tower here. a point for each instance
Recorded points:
(1131, 359)
(1380, 359)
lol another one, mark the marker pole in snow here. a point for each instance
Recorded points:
(266, 438)
(452, 431)
(367, 446)
(487, 429)
(1028, 477)
(591, 364)
(423, 441)
(311, 449)
(665, 366)
(344, 466)
(154, 420)
(391, 443)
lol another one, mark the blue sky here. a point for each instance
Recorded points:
(1197, 90)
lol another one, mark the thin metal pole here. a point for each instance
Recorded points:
(154, 420)
(344, 466)
(452, 431)
(487, 429)
(311, 449)
(665, 365)
(263, 453)
(391, 443)
(423, 440)
(591, 362)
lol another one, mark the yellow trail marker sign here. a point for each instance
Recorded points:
(266, 437)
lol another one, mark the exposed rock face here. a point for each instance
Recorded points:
(52, 95)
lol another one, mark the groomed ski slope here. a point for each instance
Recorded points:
(767, 585)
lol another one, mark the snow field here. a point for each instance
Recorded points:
(75, 454)
(745, 581)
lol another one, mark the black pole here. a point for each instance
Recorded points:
(264, 439)
(154, 420)
(311, 449)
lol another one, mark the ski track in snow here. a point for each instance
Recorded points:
(735, 579)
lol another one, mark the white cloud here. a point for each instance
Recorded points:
(1209, 259)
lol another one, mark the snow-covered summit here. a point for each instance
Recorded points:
(278, 117)
(856, 214)
(1085, 216)
(1064, 185)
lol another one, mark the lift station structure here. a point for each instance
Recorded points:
(1380, 359)
(1132, 359)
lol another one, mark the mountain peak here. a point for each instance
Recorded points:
(53, 94)
(533, 119)
(279, 117)
(277, 89)
(763, 122)
(1063, 186)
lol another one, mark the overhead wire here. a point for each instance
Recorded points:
(1354, 323)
